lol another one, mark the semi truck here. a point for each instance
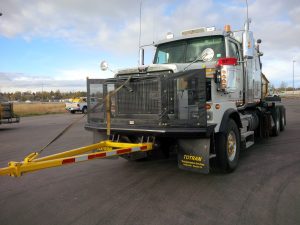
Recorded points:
(204, 97)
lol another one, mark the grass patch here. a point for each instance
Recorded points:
(32, 109)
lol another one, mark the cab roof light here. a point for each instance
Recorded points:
(198, 30)
(209, 29)
(227, 61)
(193, 31)
(169, 35)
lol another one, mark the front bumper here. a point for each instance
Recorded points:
(180, 132)
(73, 109)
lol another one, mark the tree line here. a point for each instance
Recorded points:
(284, 87)
(41, 96)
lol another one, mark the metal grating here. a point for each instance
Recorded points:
(142, 96)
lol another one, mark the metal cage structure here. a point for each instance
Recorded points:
(161, 103)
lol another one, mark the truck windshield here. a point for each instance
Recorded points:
(184, 51)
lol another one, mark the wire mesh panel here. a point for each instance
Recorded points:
(190, 99)
(139, 97)
(159, 101)
(95, 91)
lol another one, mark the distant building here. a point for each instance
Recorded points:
(265, 86)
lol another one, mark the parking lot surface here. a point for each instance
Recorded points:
(265, 188)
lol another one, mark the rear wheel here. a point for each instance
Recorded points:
(72, 111)
(228, 147)
(282, 119)
(276, 117)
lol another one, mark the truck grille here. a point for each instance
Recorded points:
(141, 97)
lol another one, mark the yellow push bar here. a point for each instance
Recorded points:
(102, 149)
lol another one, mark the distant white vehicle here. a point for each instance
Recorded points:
(77, 105)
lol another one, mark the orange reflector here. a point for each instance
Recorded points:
(218, 106)
(227, 28)
(208, 106)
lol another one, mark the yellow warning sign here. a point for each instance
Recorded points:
(192, 161)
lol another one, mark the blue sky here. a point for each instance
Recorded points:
(57, 44)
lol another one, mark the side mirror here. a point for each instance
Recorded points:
(248, 45)
(104, 65)
(141, 56)
(258, 41)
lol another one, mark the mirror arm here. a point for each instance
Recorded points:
(104, 67)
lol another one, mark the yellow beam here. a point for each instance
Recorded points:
(31, 164)
(6, 171)
(73, 152)
(101, 146)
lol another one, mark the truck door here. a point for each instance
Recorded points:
(235, 73)
(257, 78)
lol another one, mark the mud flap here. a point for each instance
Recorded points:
(193, 155)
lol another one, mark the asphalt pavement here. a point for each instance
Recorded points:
(265, 188)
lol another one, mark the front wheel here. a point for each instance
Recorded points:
(228, 147)
(84, 110)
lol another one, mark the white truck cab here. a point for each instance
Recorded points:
(203, 93)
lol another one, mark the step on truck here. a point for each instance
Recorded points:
(204, 98)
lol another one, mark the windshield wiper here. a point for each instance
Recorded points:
(198, 59)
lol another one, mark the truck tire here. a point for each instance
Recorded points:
(228, 147)
(282, 119)
(276, 117)
(84, 110)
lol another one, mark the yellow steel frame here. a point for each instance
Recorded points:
(108, 148)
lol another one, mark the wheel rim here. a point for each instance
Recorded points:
(231, 145)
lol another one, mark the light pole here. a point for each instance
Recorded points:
(42, 91)
(140, 33)
(0, 15)
(294, 76)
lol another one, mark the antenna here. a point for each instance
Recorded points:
(247, 10)
(247, 21)
(140, 33)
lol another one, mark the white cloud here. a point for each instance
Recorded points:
(74, 74)
(113, 26)
(66, 80)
